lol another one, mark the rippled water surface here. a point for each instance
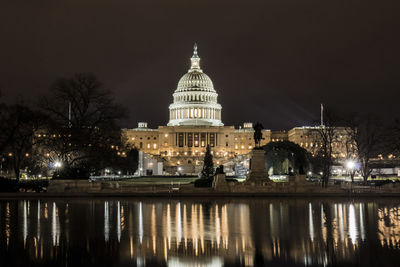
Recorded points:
(200, 232)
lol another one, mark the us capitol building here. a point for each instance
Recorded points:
(195, 122)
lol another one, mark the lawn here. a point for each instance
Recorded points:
(159, 180)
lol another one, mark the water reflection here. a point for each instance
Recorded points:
(199, 232)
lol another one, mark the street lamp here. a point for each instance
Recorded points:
(350, 166)
(57, 164)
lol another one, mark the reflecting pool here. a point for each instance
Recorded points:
(200, 232)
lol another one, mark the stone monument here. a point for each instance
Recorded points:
(219, 182)
(258, 174)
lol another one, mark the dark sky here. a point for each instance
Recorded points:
(273, 61)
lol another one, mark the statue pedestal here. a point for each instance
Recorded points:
(219, 183)
(258, 173)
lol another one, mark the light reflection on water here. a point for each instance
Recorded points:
(192, 232)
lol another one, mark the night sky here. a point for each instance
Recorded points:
(272, 61)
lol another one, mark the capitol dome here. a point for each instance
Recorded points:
(195, 100)
(195, 80)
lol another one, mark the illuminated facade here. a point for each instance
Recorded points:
(195, 121)
(309, 139)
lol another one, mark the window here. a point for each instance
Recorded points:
(212, 139)
(141, 144)
(203, 139)
(180, 139)
(190, 139)
(196, 139)
(226, 144)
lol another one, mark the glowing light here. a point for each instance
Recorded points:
(350, 164)
(353, 231)
(119, 221)
(57, 164)
(140, 223)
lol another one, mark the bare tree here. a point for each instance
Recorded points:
(327, 135)
(393, 138)
(83, 126)
(350, 152)
(21, 123)
(365, 133)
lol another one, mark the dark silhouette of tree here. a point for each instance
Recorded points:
(128, 164)
(208, 167)
(20, 124)
(279, 153)
(392, 140)
(327, 134)
(365, 134)
(83, 129)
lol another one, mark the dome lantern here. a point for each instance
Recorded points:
(195, 66)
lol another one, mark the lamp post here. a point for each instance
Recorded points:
(350, 166)
(57, 164)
